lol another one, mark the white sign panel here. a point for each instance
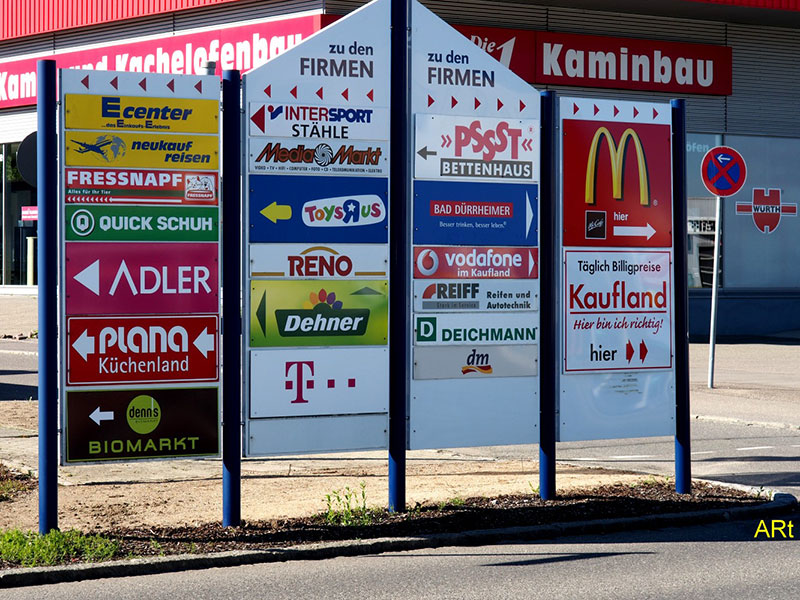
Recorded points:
(617, 310)
(483, 328)
(311, 382)
(318, 121)
(306, 156)
(475, 362)
(319, 261)
(476, 149)
(492, 295)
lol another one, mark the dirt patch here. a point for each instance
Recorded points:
(20, 414)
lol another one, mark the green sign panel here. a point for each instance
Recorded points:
(318, 313)
(103, 425)
(108, 223)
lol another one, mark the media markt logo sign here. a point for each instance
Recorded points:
(322, 314)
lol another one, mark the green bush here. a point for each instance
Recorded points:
(29, 549)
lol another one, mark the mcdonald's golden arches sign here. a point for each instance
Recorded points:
(617, 173)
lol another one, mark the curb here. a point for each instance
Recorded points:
(780, 503)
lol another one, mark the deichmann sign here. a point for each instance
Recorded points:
(231, 47)
(313, 382)
(318, 313)
(104, 350)
(319, 261)
(133, 278)
(323, 122)
(475, 213)
(482, 149)
(617, 176)
(122, 149)
(101, 223)
(139, 186)
(491, 328)
(464, 262)
(295, 208)
(181, 115)
(617, 310)
(475, 362)
(141, 423)
(478, 295)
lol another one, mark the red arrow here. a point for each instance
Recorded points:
(268, 90)
(499, 104)
(655, 113)
(258, 119)
(85, 82)
(575, 108)
(521, 106)
(171, 85)
(477, 103)
(293, 91)
(596, 110)
(635, 112)
(642, 350)
(319, 93)
(143, 84)
(616, 111)
(629, 351)
(114, 83)
(370, 96)
(346, 94)
(453, 101)
(430, 100)
(199, 86)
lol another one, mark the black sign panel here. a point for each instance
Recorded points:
(141, 423)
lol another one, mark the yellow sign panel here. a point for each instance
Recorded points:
(146, 150)
(177, 115)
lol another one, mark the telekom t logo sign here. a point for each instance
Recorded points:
(299, 377)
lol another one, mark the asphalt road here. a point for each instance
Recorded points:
(19, 364)
(716, 562)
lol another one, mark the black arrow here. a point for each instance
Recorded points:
(425, 153)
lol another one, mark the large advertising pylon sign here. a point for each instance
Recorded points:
(316, 357)
(140, 271)
(617, 374)
(475, 338)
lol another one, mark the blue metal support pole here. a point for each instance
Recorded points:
(399, 256)
(547, 300)
(47, 200)
(231, 302)
(683, 458)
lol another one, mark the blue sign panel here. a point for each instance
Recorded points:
(475, 214)
(308, 208)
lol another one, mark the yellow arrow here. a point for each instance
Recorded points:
(277, 212)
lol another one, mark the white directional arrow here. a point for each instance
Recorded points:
(531, 263)
(624, 230)
(204, 342)
(84, 345)
(99, 416)
(528, 214)
(90, 277)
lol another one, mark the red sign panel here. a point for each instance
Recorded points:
(150, 349)
(632, 64)
(137, 278)
(30, 213)
(469, 262)
(242, 48)
(511, 47)
(617, 184)
(140, 186)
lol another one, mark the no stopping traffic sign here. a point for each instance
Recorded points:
(723, 171)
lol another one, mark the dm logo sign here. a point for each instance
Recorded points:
(766, 209)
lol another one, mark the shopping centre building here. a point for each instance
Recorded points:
(736, 62)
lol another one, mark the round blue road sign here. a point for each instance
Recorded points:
(723, 171)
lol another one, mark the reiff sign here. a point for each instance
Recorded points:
(140, 273)
(316, 171)
(617, 332)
